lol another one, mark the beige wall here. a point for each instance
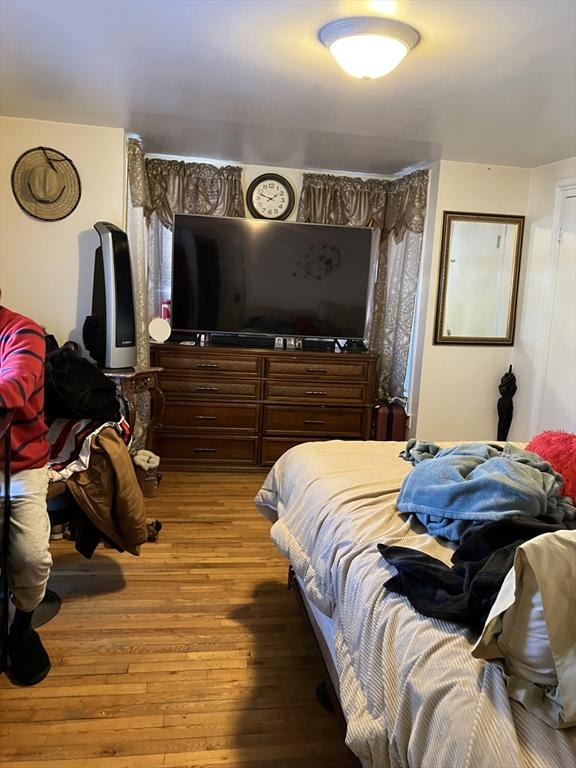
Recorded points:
(458, 385)
(529, 352)
(46, 267)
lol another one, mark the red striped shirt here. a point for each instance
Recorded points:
(22, 354)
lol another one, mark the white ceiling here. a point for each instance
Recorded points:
(492, 81)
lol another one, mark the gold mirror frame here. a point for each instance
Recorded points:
(474, 298)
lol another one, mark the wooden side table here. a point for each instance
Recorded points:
(132, 381)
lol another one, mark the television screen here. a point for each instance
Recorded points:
(235, 275)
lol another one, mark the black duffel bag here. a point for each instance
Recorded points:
(75, 388)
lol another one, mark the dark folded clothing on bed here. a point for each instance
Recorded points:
(464, 593)
(450, 488)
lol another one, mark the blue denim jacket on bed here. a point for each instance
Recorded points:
(476, 482)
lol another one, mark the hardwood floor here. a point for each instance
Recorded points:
(193, 655)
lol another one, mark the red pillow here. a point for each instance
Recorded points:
(559, 449)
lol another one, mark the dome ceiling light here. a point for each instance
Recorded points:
(368, 46)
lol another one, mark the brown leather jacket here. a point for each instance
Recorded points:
(108, 492)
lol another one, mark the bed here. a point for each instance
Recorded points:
(410, 690)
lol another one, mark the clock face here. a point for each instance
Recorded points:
(270, 197)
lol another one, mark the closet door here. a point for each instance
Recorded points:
(557, 407)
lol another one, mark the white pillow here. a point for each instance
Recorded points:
(531, 628)
(524, 640)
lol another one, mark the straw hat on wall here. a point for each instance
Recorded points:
(46, 184)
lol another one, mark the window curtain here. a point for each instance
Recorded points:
(396, 211)
(403, 228)
(137, 233)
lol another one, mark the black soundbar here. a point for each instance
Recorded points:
(241, 340)
(313, 344)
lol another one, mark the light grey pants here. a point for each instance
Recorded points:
(30, 559)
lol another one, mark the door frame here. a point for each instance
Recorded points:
(564, 188)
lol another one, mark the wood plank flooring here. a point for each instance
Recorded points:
(191, 656)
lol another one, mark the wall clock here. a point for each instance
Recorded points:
(270, 196)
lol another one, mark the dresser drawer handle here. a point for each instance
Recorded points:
(207, 365)
(206, 389)
(315, 393)
(313, 421)
(206, 418)
(204, 450)
(316, 370)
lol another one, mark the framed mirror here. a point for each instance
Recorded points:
(478, 285)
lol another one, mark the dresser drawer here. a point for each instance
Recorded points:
(314, 421)
(274, 447)
(317, 392)
(209, 388)
(206, 449)
(317, 370)
(211, 417)
(204, 363)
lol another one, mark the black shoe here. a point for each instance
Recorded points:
(28, 661)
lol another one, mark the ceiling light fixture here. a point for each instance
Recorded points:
(368, 46)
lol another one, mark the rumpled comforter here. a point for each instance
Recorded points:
(477, 482)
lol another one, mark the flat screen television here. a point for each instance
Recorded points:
(252, 276)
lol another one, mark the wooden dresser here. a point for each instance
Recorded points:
(230, 407)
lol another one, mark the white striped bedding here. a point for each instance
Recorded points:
(412, 694)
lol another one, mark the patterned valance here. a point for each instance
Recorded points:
(328, 199)
(166, 187)
(137, 174)
(406, 206)
(178, 187)
(393, 205)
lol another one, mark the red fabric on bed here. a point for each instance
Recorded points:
(559, 449)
